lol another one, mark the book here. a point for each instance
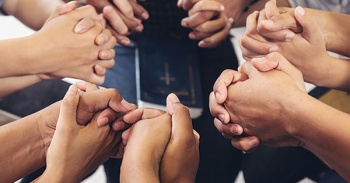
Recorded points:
(165, 66)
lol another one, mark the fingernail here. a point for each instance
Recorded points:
(273, 49)
(222, 7)
(300, 11)
(79, 28)
(184, 23)
(217, 95)
(101, 40)
(289, 36)
(258, 59)
(139, 28)
(125, 41)
(222, 118)
(103, 121)
(173, 98)
(192, 36)
(236, 129)
(107, 9)
(202, 44)
(72, 90)
(69, 3)
(126, 104)
(103, 54)
(145, 16)
(253, 142)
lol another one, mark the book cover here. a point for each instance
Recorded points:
(165, 66)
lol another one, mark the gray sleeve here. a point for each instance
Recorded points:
(340, 6)
(1, 12)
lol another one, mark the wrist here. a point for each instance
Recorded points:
(47, 124)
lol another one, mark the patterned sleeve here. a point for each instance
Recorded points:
(340, 6)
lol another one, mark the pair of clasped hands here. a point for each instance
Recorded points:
(253, 105)
(208, 19)
(95, 124)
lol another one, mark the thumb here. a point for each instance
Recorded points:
(181, 119)
(311, 31)
(282, 64)
(63, 10)
(271, 9)
(68, 108)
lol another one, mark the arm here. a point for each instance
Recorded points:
(77, 150)
(14, 84)
(160, 147)
(209, 23)
(287, 116)
(31, 13)
(45, 52)
(23, 144)
(31, 136)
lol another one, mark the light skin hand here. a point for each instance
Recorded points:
(91, 101)
(145, 143)
(174, 139)
(123, 17)
(76, 150)
(261, 116)
(181, 157)
(277, 24)
(81, 48)
(209, 23)
(253, 44)
(315, 63)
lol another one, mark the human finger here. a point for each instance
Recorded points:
(108, 54)
(115, 20)
(212, 25)
(125, 7)
(226, 78)
(217, 110)
(198, 18)
(281, 64)
(271, 9)
(187, 4)
(85, 86)
(142, 113)
(256, 46)
(311, 32)
(206, 6)
(139, 11)
(97, 100)
(228, 129)
(68, 108)
(121, 39)
(218, 37)
(181, 119)
(245, 143)
(103, 37)
(70, 6)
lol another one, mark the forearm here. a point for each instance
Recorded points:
(25, 59)
(31, 13)
(22, 148)
(335, 32)
(14, 84)
(336, 75)
(139, 169)
(324, 131)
